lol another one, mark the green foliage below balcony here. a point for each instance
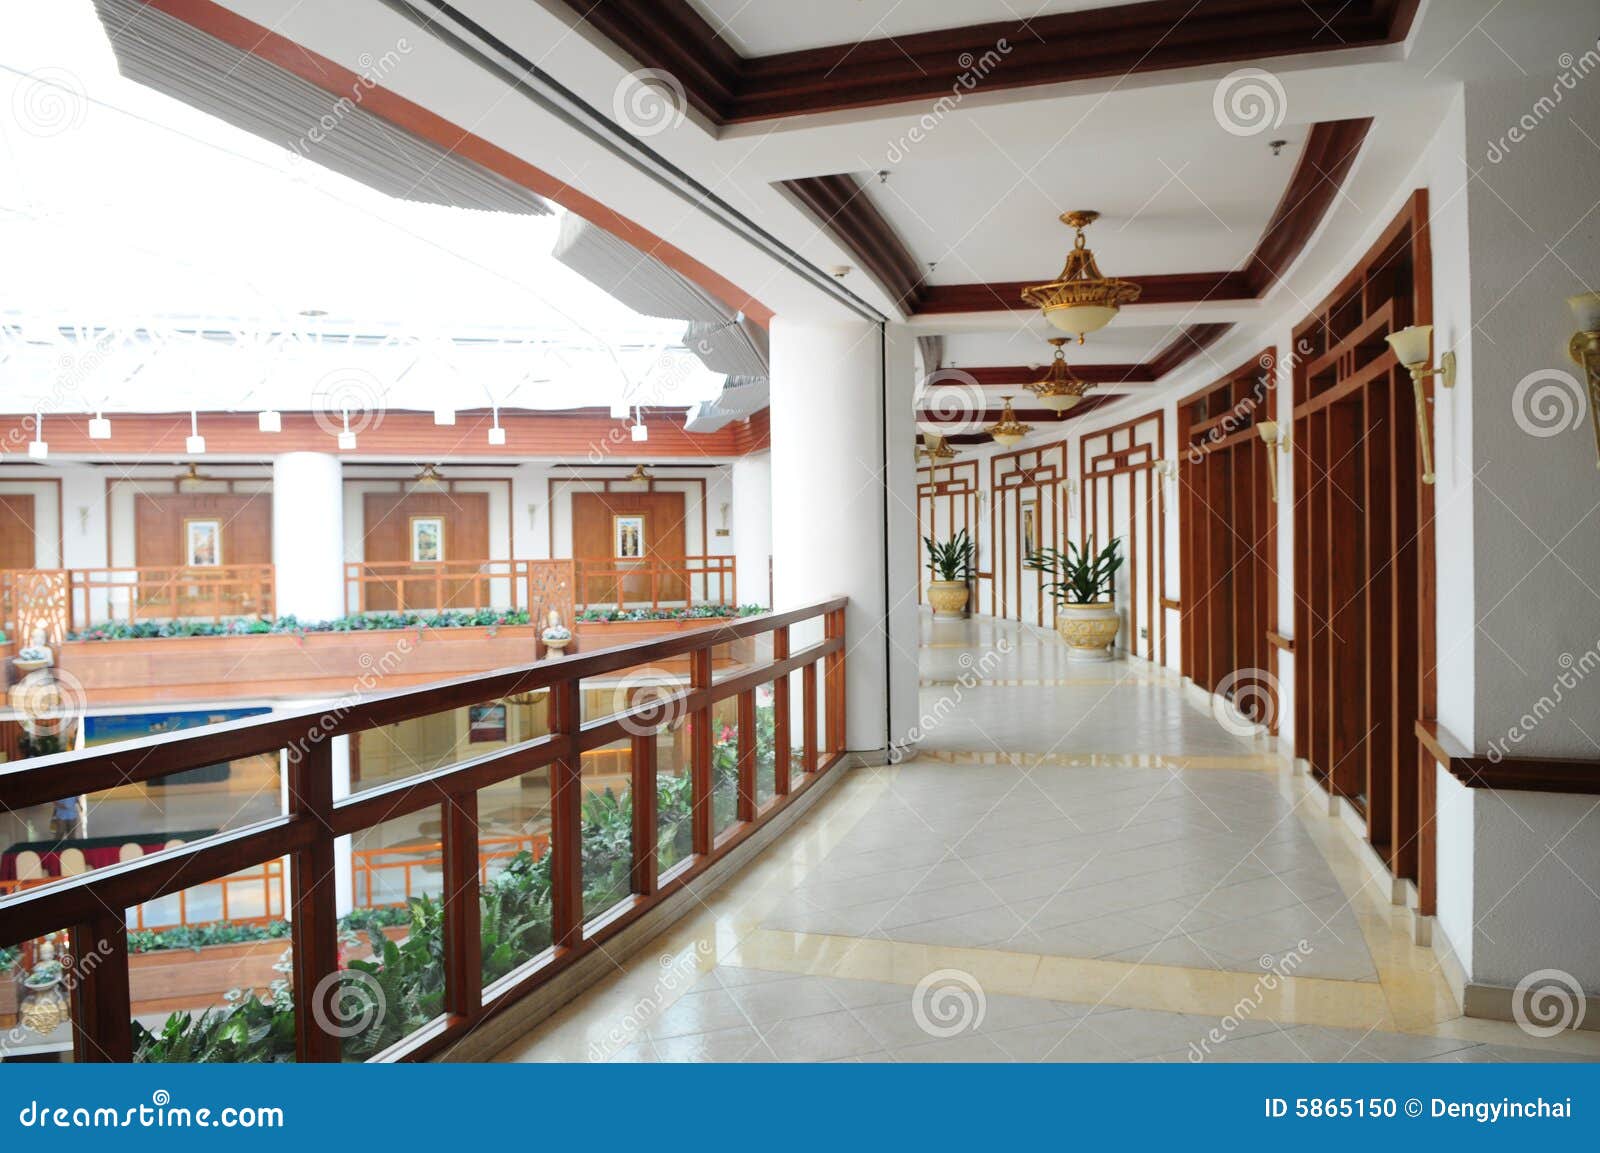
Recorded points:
(692, 613)
(366, 622)
(399, 987)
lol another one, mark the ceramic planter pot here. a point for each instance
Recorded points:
(1088, 629)
(948, 598)
(556, 645)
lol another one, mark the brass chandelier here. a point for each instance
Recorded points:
(1008, 429)
(1058, 389)
(1081, 299)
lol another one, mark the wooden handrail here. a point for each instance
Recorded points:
(620, 583)
(315, 819)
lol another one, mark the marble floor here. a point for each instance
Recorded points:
(1080, 863)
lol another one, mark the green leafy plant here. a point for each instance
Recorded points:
(952, 560)
(8, 957)
(1082, 576)
(365, 622)
(692, 613)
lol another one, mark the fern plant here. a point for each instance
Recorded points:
(952, 560)
(1083, 576)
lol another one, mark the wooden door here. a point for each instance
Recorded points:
(395, 582)
(657, 577)
(16, 531)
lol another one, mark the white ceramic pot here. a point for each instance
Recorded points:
(1088, 630)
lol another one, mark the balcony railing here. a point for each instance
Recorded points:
(59, 601)
(655, 582)
(531, 586)
(91, 906)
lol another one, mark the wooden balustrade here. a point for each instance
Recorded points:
(91, 906)
(531, 586)
(654, 581)
(59, 601)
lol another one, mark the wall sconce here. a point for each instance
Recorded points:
(1273, 437)
(1167, 470)
(1411, 349)
(1584, 348)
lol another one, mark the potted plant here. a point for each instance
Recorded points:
(952, 565)
(31, 659)
(1086, 618)
(556, 636)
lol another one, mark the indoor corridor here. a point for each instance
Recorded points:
(1081, 863)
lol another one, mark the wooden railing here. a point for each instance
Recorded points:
(91, 906)
(369, 867)
(58, 601)
(655, 582)
(533, 586)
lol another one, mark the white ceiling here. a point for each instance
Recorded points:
(760, 29)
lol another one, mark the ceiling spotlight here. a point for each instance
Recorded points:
(269, 420)
(840, 271)
(347, 439)
(639, 433)
(37, 448)
(619, 410)
(194, 444)
(1276, 146)
(1080, 299)
(99, 427)
(497, 435)
(444, 415)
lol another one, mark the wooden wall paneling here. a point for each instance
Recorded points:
(1381, 638)
(386, 540)
(159, 533)
(947, 502)
(665, 539)
(1302, 563)
(1121, 494)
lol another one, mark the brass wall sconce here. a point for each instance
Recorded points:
(1273, 437)
(1584, 348)
(1411, 346)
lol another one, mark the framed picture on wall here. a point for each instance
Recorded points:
(202, 542)
(1030, 527)
(427, 539)
(627, 534)
(486, 724)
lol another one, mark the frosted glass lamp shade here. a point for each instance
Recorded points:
(1411, 344)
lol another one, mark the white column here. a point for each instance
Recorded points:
(752, 527)
(308, 535)
(843, 506)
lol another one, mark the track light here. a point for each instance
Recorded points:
(347, 439)
(194, 444)
(269, 420)
(37, 448)
(497, 435)
(99, 427)
(639, 433)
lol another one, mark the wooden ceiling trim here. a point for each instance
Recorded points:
(1330, 152)
(1118, 40)
(843, 209)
